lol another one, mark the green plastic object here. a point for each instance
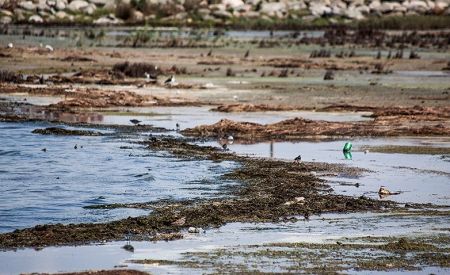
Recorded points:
(347, 155)
(347, 147)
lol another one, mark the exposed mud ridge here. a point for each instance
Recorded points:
(94, 98)
(65, 132)
(77, 58)
(387, 122)
(270, 191)
(234, 108)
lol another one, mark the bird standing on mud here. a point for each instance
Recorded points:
(298, 159)
(225, 147)
(135, 121)
(170, 81)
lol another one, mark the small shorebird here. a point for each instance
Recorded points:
(247, 54)
(10, 45)
(178, 126)
(225, 147)
(170, 80)
(230, 137)
(135, 121)
(75, 147)
(150, 77)
(298, 159)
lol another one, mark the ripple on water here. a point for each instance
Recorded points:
(52, 187)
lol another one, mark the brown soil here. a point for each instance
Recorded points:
(387, 122)
(234, 108)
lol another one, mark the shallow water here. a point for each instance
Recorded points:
(189, 117)
(52, 187)
(420, 178)
(324, 229)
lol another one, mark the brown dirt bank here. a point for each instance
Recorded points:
(235, 108)
(269, 191)
(416, 121)
(93, 98)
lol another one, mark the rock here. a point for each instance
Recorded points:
(19, 14)
(90, 9)
(273, 9)
(108, 20)
(77, 5)
(232, 3)
(417, 6)
(318, 9)
(35, 19)
(42, 6)
(100, 3)
(375, 5)
(61, 14)
(27, 5)
(252, 14)
(222, 14)
(5, 20)
(138, 16)
(6, 13)
(60, 5)
(195, 229)
(203, 12)
(354, 13)
(51, 3)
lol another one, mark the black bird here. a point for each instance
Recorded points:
(75, 147)
(135, 121)
(170, 80)
(298, 159)
(225, 147)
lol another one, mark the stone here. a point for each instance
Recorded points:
(60, 14)
(417, 6)
(60, 5)
(99, 3)
(77, 5)
(19, 15)
(203, 12)
(42, 6)
(222, 14)
(108, 20)
(354, 13)
(252, 14)
(35, 19)
(90, 9)
(273, 9)
(232, 3)
(6, 13)
(27, 5)
(138, 16)
(375, 5)
(5, 20)
(319, 9)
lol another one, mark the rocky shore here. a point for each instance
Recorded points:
(212, 12)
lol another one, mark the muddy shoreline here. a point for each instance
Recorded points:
(270, 191)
